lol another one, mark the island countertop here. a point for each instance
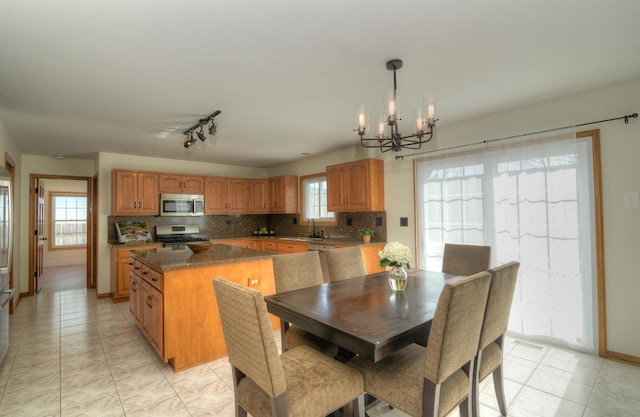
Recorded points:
(167, 259)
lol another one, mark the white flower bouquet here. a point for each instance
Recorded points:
(395, 254)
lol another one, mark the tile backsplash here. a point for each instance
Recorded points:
(216, 227)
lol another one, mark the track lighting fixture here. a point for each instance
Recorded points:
(190, 140)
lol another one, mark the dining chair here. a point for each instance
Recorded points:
(465, 259)
(299, 382)
(433, 381)
(293, 271)
(496, 318)
(345, 263)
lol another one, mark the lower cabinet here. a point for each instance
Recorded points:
(120, 260)
(177, 309)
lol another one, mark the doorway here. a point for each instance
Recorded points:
(43, 241)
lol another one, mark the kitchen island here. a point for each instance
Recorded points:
(174, 304)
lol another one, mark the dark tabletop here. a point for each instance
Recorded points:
(363, 315)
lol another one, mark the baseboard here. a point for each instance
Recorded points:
(624, 358)
(104, 295)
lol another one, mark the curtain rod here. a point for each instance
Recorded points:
(626, 121)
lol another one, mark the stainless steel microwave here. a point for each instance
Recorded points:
(181, 204)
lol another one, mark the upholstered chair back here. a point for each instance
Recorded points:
(247, 331)
(496, 318)
(293, 271)
(345, 263)
(455, 330)
(465, 259)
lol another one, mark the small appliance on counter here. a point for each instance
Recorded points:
(129, 232)
(178, 235)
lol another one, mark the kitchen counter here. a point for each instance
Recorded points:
(167, 259)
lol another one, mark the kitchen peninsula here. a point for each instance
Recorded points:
(174, 304)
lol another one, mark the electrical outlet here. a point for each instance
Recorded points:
(404, 221)
(295, 220)
(349, 221)
(378, 221)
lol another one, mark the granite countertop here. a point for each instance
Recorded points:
(166, 259)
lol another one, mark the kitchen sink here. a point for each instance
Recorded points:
(304, 239)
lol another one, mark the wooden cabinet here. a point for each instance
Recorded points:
(259, 195)
(356, 186)
(371, 258)
(152, 309)
(254, 244)
(284, 246)
(135, 293)
(283, 194)
(226, 195)
(181, 184)
(120, 265)
(179, 310)
(135, 193)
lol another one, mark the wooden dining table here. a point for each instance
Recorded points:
(363, 315)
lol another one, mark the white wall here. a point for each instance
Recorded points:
(67, 256)
(43, 165)
(620, 145)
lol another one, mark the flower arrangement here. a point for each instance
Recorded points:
(395, 254)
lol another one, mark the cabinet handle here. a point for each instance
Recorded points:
(253, 281)
(145, 273)
(136, 267)
(154, 279)
(147, 301)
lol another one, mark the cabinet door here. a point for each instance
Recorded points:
(357, 185)
(258, 196)
(336, 192)
(125, 193)
(122, 276)
(238, 195)
(276, 190)
(289, 247)
(153, 323)
(192, 184)
(253, 244)
(135, 296)
(148, 196)
(215, 195)
(170, 183)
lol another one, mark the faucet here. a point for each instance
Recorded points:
(313, 230)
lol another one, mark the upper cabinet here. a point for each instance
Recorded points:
(356, 186)
(226, 195)
(181, 184)
(259, 195)
(283, 194)
(135, 193)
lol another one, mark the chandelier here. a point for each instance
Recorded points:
(213, 127)
(388, 137)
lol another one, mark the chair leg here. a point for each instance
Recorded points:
(357, 407)
(464, 408)
(475, 386)
(430, 399)
(498, 383)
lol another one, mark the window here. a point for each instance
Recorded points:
(531, 201)
(68, 220)
(314, 199)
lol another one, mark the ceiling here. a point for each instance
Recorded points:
(129, 76)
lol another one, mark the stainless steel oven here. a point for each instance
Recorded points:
(6, 234)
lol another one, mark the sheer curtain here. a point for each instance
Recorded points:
(531, 199)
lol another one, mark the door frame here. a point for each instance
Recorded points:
(33, 178)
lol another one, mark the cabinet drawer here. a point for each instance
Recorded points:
(137, 267)
(271, 246)
(153, 277)
(290, 247)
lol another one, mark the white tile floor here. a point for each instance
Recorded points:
(71, 354)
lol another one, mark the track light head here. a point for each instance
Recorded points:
(201, 135)
(213, 128)
(189, 141)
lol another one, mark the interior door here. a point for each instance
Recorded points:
(40, 236)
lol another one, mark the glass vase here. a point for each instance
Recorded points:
(398, 278)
